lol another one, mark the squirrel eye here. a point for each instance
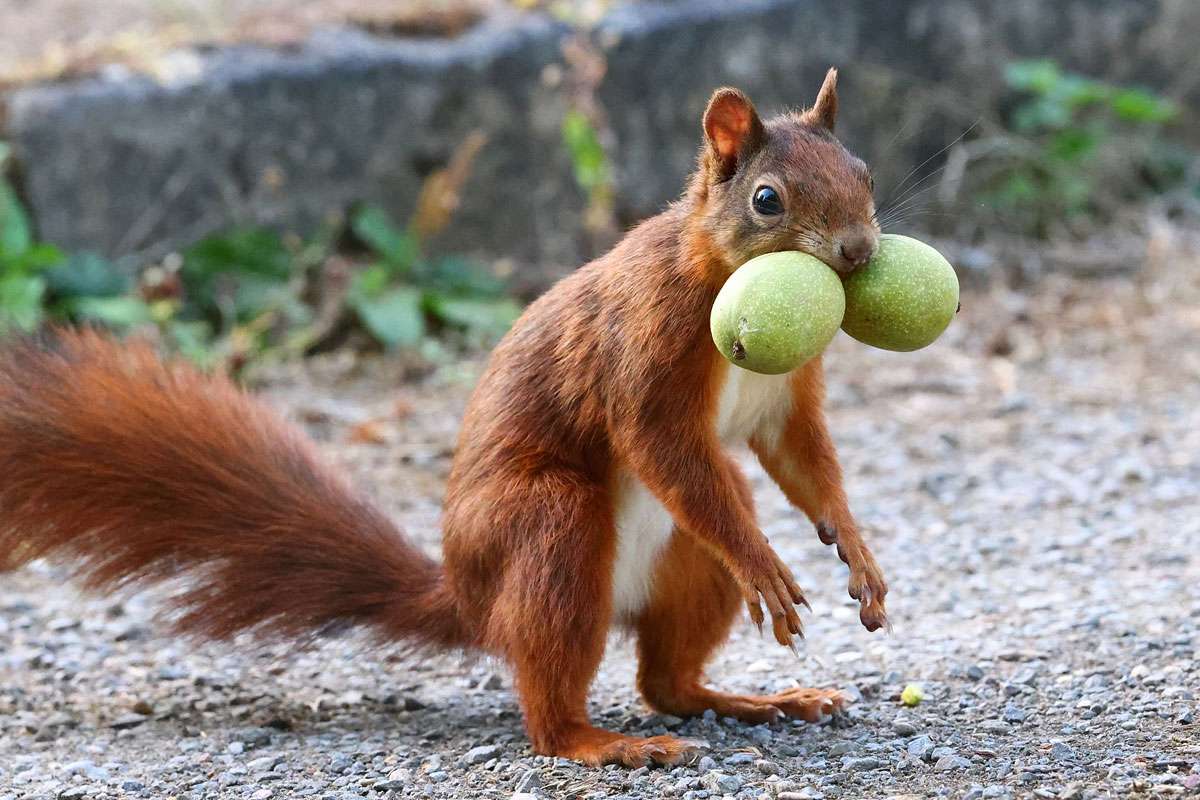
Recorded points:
(767, 201)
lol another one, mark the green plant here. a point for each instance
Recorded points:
(591, 168)
(225, 286)
(1074, 148)
(22, 262)
(251, 293)
(402, 294)
(588, 159)
(38, 282)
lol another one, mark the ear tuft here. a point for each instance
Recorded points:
(824, 111)
(732, 128)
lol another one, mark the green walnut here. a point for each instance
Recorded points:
(903, 298)
(777, 311)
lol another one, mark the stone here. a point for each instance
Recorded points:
(257, 136)
(1061, 751)
(262, 763)
(255, 737)
(948, 763)
(807, 793)
(1014, 714)
(481, 754)
(529, 781)
(767, 767)
(920, 747)
(87, 769)
(722, 783)
(126, 721)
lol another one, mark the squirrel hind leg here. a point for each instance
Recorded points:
(692, 608)
(552, 615)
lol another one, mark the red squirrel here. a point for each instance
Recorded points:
(591, 485)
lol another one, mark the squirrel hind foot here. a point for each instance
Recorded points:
(597, 747)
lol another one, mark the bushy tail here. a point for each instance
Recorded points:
(141, 470)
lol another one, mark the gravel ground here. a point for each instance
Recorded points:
(1029, 485)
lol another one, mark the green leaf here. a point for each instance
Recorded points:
(86, 275)
(117, 312)
(397, 248)
(371, 282)
(587, 155)
(40, 256)
(455, 275)
(1073, 144)
(492, 317)
(21, 299)
(15, 233)
(394, 317)
(1076, 91)
(1136, 105)
(237, 276)
(255, 251)
(193, 340)
(1041, 114)
(214, 267)
(1039, 76)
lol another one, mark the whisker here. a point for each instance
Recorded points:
(903, 129)
(918, 168)
(903, 214)
(909, 193)
(914, 214)
(909, 202)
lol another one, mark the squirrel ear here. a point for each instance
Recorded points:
(824, 111)
(732, 128)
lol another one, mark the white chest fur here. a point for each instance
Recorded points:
(750, 404)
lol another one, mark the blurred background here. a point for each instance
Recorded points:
(251, 177)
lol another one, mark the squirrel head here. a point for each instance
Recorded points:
(786, 184)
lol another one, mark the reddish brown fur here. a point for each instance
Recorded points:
(143, 470)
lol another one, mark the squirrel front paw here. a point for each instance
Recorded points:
(772, 583)
(868, 587)
(867, 584)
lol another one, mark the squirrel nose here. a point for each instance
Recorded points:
(858, 249)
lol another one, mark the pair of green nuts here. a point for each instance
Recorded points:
(781, 309)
